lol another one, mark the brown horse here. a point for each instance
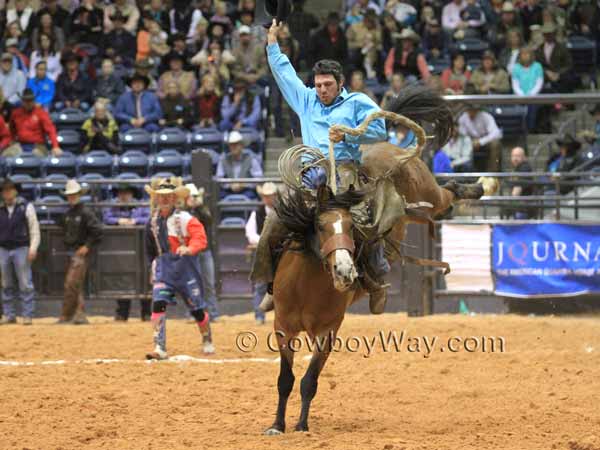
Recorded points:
(315, 282)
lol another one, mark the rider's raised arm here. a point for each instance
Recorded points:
(293, 89)
(376, 131)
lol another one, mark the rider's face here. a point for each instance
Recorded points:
(327, 88)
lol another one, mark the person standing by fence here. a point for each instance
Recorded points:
(82, 232)
(19, 242)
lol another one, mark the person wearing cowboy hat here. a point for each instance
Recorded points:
(593, 136)
(120, 215)
(173, 240)
(119, 44)
(31, 126)
(566, 158)
(249, 57)
(72, 85)
(138, 108)
(489, 78)
(239, 108)
(509, 20)
(197, 207)
(254, 227)
(19, 242)
(556, 61)
(406, 58)
(82, 233)
(238, 163)
(186, 81)
(365, 42)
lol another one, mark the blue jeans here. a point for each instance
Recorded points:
(207, 267)
(16, 281)
(260, 289)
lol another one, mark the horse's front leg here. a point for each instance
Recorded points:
(310, 380)
(285, 382)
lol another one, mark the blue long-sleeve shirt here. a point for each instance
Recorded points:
(112, 215)
(43, 90)
(125, 109)
(316, 118)
(232, 113)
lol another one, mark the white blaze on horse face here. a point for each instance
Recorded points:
(345, 272)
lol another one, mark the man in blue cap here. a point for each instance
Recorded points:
(318, 108)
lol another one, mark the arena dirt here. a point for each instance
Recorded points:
(540, 393)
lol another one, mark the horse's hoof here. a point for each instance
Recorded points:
(301, 428)
(272, 432)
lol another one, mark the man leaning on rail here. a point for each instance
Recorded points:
(318, 108)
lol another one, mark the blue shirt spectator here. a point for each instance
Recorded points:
(42, 86)
(240, 109)
(138, 108)
(441, 162)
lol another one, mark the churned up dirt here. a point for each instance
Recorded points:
(88, 387)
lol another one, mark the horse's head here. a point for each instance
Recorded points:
(335, 231)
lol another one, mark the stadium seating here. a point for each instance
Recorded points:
(511, 119)
(232, 222)
(66, 164)
(237, 210)
(54, 184)
(98, 191)
(134, 161)
(583, 53)
(167, 161)
(96, 161)
(49, 214)
(69, 140)
(174, 138)
(26, 163)
(136, 139)
(207, 138)
(471, 48)
(28, 190)
(69, 118)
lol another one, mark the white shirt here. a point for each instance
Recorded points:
(32, 224)
(548, 49)
(514, 56)
(459, 150)
(483, 127)
(251, 227)
(53, 66)
(451, 15)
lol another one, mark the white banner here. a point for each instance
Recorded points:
(467, 249)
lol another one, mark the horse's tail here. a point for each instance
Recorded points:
(423, 105)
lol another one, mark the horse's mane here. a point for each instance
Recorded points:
(299, 217)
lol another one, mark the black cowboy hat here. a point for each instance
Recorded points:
(569, 141)
(139, 77)
(280, 9)
(127, 187)
(27, 95)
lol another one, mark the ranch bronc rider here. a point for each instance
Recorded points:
(318, 108)
(173, 240)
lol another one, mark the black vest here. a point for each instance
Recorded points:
(411, 67)
(261, 215)
(14, 230)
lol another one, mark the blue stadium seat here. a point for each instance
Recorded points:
(134, 161)
(163, 175)
(511, 119)
(65, 164)
(69, 119)
(236, 211)
(207, 138)
(49, 214)
(56, 183)
(26, 163)
(233, 222)
(583, 53)
(471, 48)
(2, 166)
(167, 161)
(29, 191)
(99, 191)
(437, 66)
(96, 161)
(171, 138)
(136, 139)
(70, 140)
(131, 177)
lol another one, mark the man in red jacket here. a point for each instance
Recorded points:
(173, 240)
(5, 137)
(30, 126)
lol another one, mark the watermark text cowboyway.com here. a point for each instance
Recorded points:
(384, 341)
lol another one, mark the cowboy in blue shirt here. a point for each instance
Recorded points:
(318, 108)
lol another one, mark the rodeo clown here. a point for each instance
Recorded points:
(173, 240)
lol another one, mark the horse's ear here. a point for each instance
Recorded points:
(323, 194)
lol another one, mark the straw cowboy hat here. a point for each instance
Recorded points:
(409, 34)
(169, 185)
(194, 191)
(235, 137)
(268, 188)
(72, 188)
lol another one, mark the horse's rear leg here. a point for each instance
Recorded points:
(285, 383)
(309, 383)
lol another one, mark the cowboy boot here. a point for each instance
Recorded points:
(377, 293)
(267, 303)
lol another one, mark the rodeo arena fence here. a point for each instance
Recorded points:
(553, 254)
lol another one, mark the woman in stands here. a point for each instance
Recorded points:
(46, 26)
(528, 79)
(456, 77)
(208, 103)
(489, 78)
(47, 54)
